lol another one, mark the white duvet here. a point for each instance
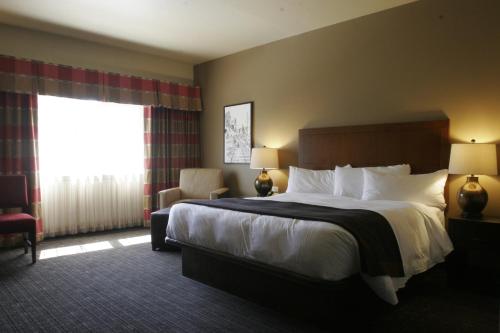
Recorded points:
(316, 249)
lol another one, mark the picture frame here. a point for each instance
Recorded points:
(238, 138)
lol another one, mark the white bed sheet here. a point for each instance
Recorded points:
(312, 248)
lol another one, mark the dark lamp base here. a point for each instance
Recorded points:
(471, 215)
(472, 198)
(263, 184)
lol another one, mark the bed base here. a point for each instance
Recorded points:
(285, 291)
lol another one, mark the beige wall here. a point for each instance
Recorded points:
(427, 60)
(31, 44)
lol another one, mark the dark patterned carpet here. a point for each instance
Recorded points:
(133, 289)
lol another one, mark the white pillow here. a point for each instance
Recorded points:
(310, 181)
(427, 189)
(349, 181)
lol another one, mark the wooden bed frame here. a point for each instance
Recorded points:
(424, 145)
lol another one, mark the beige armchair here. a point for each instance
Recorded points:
(194, 184)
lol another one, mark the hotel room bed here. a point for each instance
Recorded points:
(313, 248)
(319, 253)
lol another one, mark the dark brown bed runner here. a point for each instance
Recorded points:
(378, 247)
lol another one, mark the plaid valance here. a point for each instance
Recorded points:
(36, 77)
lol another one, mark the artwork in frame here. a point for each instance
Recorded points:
(238, 133)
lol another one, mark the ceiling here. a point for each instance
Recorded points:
(191, 31)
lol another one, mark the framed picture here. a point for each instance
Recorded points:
(238, 133)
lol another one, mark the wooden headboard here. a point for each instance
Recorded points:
(424, 145)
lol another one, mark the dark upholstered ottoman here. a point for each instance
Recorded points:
(159, 221)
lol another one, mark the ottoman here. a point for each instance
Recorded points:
(159, 221)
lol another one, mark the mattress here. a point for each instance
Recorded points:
(312, 248)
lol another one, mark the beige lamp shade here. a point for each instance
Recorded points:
(473, 159)
(264, 158)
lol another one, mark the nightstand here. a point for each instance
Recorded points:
(475, 262)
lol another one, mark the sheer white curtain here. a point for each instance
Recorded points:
(91, 165)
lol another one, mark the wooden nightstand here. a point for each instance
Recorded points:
(475, 263)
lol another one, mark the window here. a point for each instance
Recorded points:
(82, 138)
(91, 164)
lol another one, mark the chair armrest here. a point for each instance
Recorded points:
(218, 192)
(166, 197)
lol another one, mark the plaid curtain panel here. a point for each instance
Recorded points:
(19, 150)
(35, 77)
(171, 143)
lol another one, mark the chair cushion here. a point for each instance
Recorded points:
(198, 183)
(14, 222)
(180, 201)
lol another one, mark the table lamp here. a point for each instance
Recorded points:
(264, 158)
(473, 159)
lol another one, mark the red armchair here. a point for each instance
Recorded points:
(13, 194)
